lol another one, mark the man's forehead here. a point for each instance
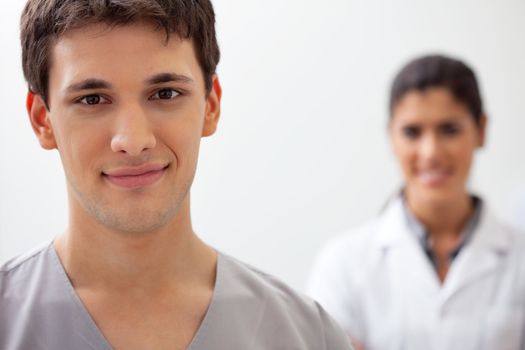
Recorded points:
(98, 51)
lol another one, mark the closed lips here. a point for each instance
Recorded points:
(136, 177)
(136, 171)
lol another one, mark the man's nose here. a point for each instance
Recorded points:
(133, 131)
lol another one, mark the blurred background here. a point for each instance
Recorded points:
(302, 151)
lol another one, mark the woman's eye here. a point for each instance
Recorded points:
(450, 129)
(165, 94)
(411, 132)
(93, 100)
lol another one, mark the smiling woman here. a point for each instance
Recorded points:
(436, 261)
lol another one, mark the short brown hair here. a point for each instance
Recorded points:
(43, 21)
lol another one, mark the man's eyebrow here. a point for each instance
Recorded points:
(168, 78)
(89, 84)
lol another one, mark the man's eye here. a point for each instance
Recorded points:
(93, 100)
(411, 132)
(165, 94)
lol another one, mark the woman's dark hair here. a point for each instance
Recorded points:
(44, 21)
(439, 71)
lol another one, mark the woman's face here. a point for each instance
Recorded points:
(434, 138)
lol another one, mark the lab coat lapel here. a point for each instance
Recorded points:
(409, 264)
(481, 256)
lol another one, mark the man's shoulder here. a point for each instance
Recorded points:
(253, 295)
(263, 285)
(19, 275)
(25, 262)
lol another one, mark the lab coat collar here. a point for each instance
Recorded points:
(396, 246)
(392, 225)
(489, 234)
(480, 256)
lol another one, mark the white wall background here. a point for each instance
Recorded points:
(302, 150)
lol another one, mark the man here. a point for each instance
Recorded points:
(124, 90)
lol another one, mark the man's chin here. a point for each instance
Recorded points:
(134, 222)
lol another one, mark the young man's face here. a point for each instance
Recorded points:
(126, 112)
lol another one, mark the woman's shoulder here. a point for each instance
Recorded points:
(490, 220)
(354, 238)
(353, 249)
(499, 236)
(365, 236)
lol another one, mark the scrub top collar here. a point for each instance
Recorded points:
(88, 329)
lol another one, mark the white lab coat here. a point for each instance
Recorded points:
(382, 288)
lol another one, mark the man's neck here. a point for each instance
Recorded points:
(142, 289)
(95, 257)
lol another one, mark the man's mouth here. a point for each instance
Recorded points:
(136, 176)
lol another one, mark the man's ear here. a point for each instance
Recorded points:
(39, 118)
(482, 130)
(213, 108)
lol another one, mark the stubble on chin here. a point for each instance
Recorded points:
(134, 217)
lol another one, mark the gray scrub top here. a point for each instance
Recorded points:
(39, 309)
